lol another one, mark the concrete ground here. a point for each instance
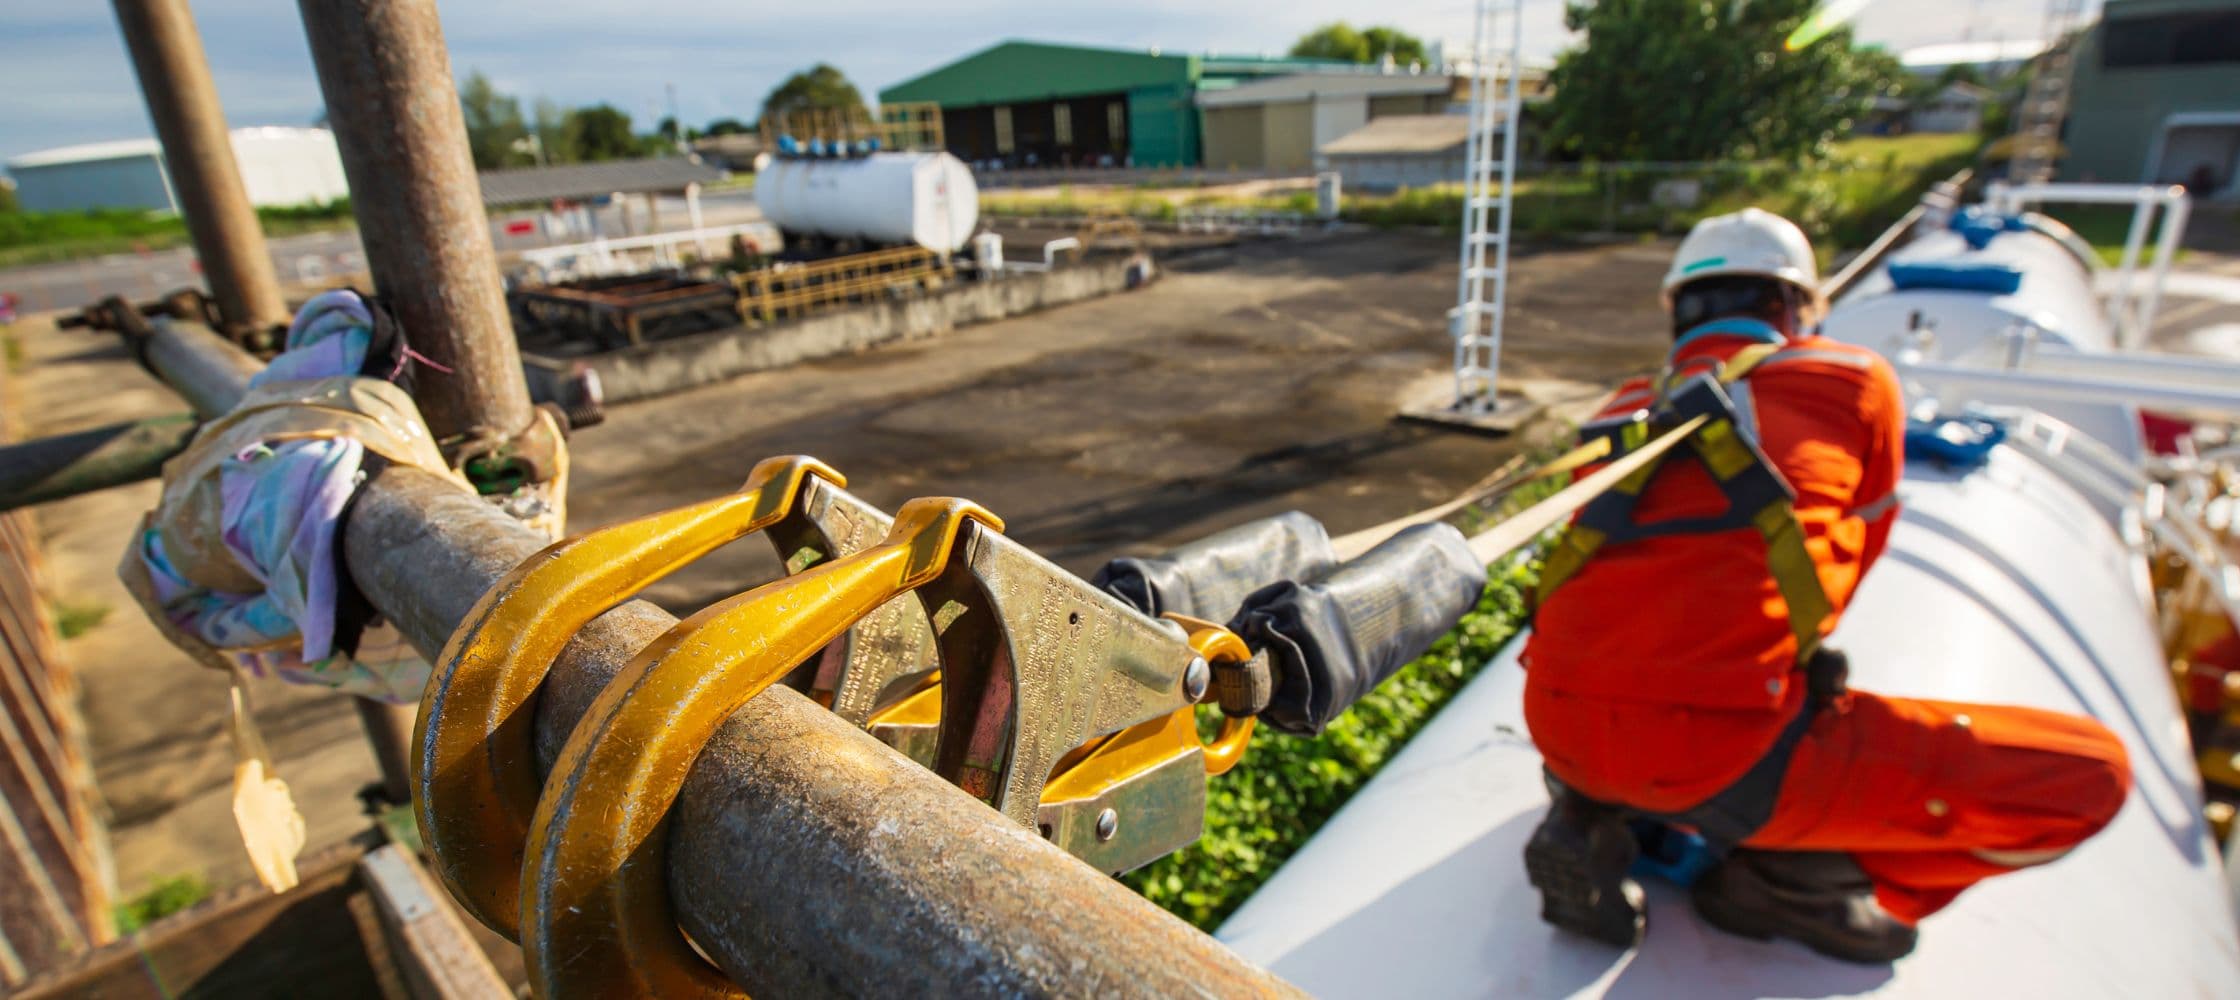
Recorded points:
(1236, 386)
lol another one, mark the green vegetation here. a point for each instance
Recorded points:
(1843, 201)
(1341, 41)
(2106, 227)
(43, 237)
(11, 348)
(499, 136)
(166, 897)
(821, 87)
(1264, 810)
(73, 618)
(1781, 95)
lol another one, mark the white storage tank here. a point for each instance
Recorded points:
(927, 199)
(1943, 283)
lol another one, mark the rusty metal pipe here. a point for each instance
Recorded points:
(387, 81)
(66, 465)
(806, 857)
(205, 369)
(198, 153)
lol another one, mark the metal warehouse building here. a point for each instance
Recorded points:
(1279, 123)
(279, 166)
(1034, 104)
(2156, 96)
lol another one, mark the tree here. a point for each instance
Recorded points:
(552, 131)
(599, 132)
(819, 87)
(727, 126)
(1339, 40)
(494, 125)
(1657, 80)
(1405, 49)
(1336, 40)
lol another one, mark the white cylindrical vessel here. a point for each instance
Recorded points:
(2052, 310)
(2000, 585)
(926, 199)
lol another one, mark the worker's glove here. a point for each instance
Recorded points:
(1827, 676)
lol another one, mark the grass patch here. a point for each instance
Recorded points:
(11, 349)
(166, 897)
(2106, 227)
(47, 237)
(75, 618)
(1264, 810)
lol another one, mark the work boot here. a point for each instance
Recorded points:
(1578, 860)
(1819, 898)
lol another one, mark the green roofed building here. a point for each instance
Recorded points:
(1035, 104)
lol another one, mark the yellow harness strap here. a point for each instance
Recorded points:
(1719, 445)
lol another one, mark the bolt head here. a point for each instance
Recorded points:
(1195, 678)
(1108, 823)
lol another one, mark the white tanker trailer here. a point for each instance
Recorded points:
(2020, 576)
(882, 199)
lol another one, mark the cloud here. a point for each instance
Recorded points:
(65, 78)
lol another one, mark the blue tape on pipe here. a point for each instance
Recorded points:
(1962, 442)
(1959, 276)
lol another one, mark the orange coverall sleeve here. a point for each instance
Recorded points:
(1885, 462)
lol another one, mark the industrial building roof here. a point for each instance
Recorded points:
(1301, 86)
(575, 181)
(1402, 134)
(1020, 71)
(119, 149)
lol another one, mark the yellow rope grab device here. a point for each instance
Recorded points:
(1061, 707)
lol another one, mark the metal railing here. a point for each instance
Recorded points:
(785, 290)
(602, 257)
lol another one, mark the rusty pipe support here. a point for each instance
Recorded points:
(206, 370)
(198, 153)
(807, 858)
(387, 81)
(66, 465)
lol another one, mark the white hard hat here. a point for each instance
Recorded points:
(1751, 241)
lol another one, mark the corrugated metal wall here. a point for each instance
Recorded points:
(55, 875)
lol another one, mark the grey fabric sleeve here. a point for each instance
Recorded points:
(1210, 577)
(1334, 638)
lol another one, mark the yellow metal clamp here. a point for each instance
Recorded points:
(475, 784)
(1058, 704)
(596, 919)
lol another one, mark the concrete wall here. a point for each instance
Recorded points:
(675, 365)
(1393, 171)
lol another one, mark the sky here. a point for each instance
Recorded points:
(65, 79)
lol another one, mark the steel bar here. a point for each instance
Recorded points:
(67, 465)
(387, 81)
(198, 154)
(2009, 382)
(202, 367)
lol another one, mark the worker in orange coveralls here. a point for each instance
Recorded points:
(1669, 680)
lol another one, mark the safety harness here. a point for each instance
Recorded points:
(1757, 497)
